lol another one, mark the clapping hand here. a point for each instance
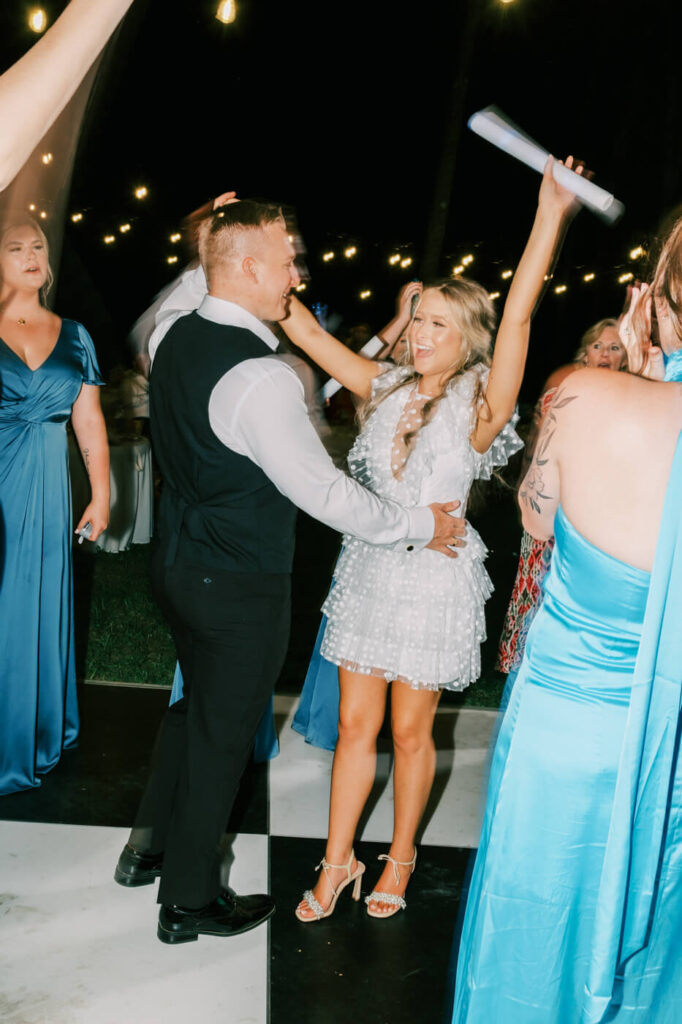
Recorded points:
(634, 328)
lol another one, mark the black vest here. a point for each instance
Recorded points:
(218, 509)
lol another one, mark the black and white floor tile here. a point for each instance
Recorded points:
(75, 948)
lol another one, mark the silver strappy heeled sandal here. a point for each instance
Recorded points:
(397, 902)
(315, 905)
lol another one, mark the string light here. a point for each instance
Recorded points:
(37, 20)
(32, 207)
(47, 158)
(227, 12)
(142, 192)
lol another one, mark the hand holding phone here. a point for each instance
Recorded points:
(84, 532)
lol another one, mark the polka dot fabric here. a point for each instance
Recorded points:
(416, 617)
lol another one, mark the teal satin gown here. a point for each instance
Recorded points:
(38, 705)
(574, 913)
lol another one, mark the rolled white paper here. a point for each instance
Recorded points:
(494, 126)
(369, 350)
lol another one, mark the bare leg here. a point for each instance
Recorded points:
(361, 712)
(412, 714)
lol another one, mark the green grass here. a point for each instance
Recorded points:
(122, 637)
(120, 633)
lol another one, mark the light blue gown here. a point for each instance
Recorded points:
(38, 708)
(574, 913)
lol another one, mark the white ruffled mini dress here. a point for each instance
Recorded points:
(417, 617)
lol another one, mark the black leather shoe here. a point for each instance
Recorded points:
(225, 915)
(137, 868)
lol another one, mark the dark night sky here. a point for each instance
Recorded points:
(340, 109)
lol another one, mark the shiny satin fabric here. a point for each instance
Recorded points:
(575, 906)
(317, 714)
(38, 707)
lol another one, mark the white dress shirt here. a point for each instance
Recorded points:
(257, 409)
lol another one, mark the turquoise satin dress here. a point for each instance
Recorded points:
(38, 706)
(574, 913)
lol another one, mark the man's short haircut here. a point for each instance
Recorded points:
(221, 233)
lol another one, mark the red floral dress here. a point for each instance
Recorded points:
(534, 561)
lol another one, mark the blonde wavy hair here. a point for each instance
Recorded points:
(591, 335)
(21, 220)
(474, 317)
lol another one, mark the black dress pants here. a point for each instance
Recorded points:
(231, 632)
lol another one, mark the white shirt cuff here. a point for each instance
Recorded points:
(421, 528)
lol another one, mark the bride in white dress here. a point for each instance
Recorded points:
(416, 619)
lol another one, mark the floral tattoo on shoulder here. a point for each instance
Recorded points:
(532, 490)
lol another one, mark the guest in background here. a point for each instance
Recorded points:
(48, 373)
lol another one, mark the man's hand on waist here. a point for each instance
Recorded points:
(448, 529)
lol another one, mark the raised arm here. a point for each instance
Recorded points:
(555, 206)
(351, 370)
(35, 90)
(395, 328)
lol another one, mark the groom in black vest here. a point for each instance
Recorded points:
(237, 453)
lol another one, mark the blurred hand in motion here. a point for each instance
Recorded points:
(553, 196)
(224, 199)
